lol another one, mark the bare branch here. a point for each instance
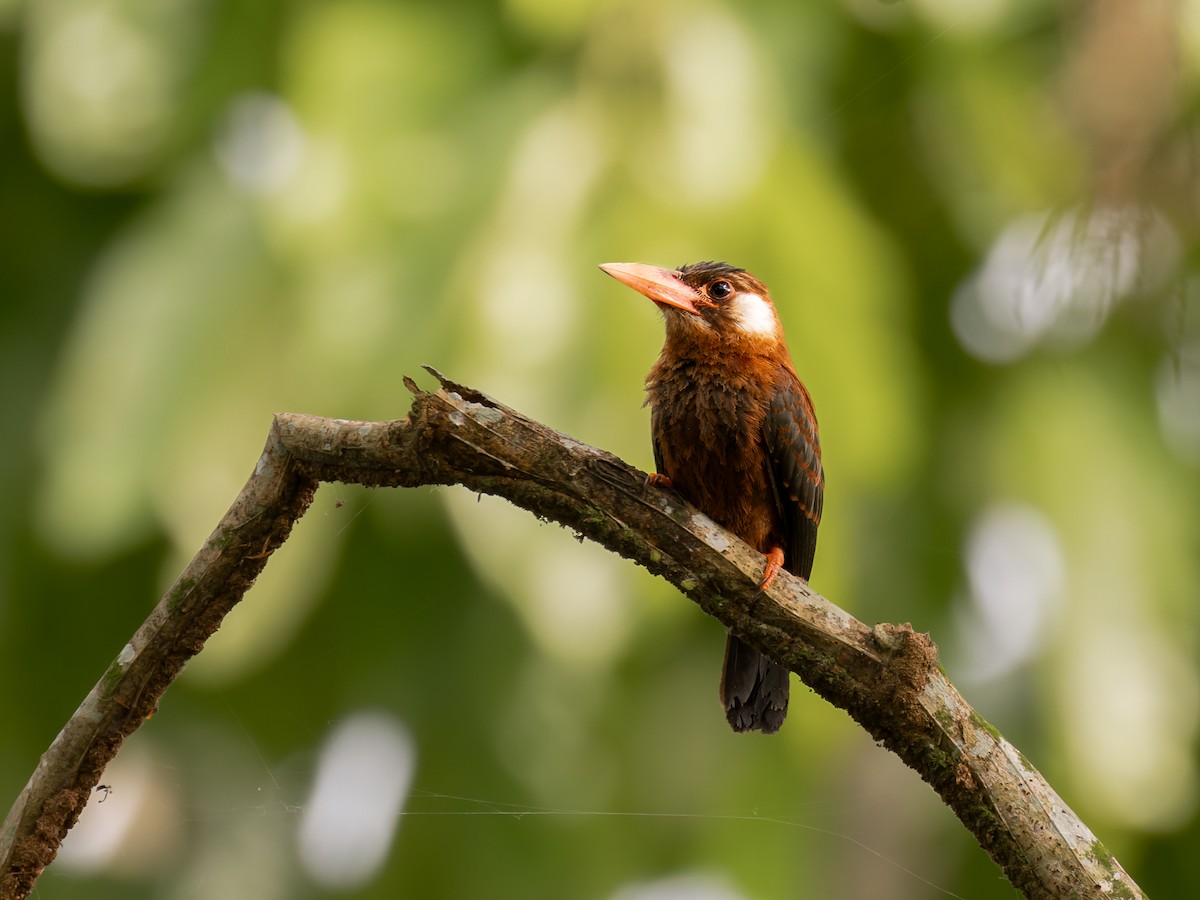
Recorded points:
(887, 677)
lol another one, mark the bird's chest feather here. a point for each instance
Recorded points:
(708, 430)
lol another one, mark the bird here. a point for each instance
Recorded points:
(734, 433)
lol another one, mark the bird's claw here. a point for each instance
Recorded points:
(658, 480)
(774, 564)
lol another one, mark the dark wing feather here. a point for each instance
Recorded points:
(794, 449)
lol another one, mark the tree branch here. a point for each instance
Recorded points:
(887, 677)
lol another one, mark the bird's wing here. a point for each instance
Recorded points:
(790, 434)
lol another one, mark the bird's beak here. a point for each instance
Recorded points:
(661, 285)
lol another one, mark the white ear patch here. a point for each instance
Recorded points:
(753, 315)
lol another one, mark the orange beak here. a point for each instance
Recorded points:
(661, 285)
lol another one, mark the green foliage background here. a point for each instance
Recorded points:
(979, 223)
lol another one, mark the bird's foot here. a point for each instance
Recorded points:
(658, 480)
(774, 564)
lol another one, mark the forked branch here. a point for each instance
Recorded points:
(887, 677)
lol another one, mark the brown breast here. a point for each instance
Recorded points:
(707, 427)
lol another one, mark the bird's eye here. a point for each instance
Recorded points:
(720, 290)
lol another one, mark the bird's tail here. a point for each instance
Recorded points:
(754, 690)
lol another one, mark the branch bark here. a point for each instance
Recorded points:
(886, 677)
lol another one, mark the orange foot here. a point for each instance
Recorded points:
(660, 481)
(774, 564)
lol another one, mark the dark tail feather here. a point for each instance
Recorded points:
(754, 690)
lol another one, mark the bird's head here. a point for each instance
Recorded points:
(707, 303)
